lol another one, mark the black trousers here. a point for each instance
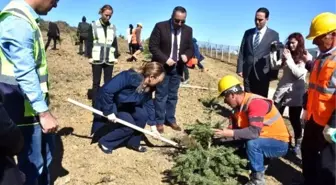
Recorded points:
(257, 86)
(83, 42)
(135, 47)
(48, 42)
(96, 76)
(318, 156)
(294, 118)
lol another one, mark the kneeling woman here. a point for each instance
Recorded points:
(127, 96)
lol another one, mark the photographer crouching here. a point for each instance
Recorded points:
(291, 58)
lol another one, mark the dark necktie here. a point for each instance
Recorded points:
(256, 41)
(174, 56)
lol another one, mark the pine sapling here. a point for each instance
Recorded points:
(205, 164)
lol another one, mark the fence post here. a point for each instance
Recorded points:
(216, 51)
(229, 60)
(210, 50)
(222, 58)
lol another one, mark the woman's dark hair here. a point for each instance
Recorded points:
(105, 7)
(131, 28)
(300, 48)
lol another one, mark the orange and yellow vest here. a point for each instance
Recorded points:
(274, 125)
(321, 91)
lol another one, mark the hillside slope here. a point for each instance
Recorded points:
(78, 162)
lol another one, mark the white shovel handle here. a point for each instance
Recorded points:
(124, 122)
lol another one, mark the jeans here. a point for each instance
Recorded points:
(259, 148)
(96, 77)
(166, 98)
(37, 153)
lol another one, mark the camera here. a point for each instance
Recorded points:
(278, 47)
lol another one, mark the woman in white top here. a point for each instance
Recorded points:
(291, 86)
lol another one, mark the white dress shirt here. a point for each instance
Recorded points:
(178, 42)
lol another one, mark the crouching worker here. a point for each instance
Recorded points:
(258, 122)
(127, 96)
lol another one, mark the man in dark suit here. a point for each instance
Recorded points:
(170, 44)
(53, 33)
(254, 60)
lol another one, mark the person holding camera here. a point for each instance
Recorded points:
(253, 59)
(291, 86)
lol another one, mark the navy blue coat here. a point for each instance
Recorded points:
(120, 91)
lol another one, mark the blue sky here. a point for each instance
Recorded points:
(217, 21)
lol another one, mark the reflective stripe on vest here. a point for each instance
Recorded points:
(102, 46)
(267, 121)
(274, 125)
(322, 90)
(7, 76)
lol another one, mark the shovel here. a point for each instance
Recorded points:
(125, 123)
(197, 87)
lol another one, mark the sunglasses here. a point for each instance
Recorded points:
(179, 21)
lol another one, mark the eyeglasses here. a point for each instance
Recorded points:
(179, 21)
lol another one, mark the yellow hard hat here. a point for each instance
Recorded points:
(322, 24)
(226, 83)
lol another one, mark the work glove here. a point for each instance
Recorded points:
(155, 131)
(112, 117)
(329, 134)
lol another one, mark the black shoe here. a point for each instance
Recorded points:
(138, 149)
(104, 149)
(129, 60)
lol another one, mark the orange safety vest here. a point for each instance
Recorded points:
(134, 39)
(321, 90)
(274, 125)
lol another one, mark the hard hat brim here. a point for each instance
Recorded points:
(310, 37)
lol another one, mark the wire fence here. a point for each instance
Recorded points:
(225, 53)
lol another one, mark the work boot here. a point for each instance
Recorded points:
(256, 178)
(174, 126)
